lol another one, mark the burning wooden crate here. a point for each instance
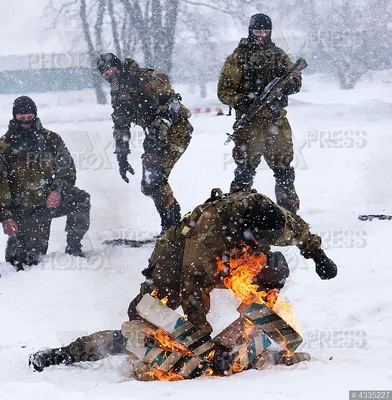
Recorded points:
(168, 347)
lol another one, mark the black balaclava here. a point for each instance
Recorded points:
(24, 105)
(260, 22)
(106, 61)
(21, 136)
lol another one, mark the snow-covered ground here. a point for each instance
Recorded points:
(342, 143)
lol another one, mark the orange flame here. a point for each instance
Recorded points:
(208, 372)
(165, 376)
(249, 328)
(286, 312)
(168, 343)
(239, 273)
(154, 293)
(237, 367)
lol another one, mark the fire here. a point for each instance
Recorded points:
(237, 367)
(248, 329)
(209, 372)
(165, 376)
(241, 269)
(239, 272)
(168, 343)
(286, 312)
(154, 293)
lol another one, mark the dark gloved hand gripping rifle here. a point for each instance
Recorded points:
(271, 92)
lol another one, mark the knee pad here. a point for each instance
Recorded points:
(284, 177)
(83, 200)
(118, 343)
(275, 273)
(153, 179)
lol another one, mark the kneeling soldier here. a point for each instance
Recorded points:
(37, 183)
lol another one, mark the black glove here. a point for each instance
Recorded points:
(124, 166)
(244, 104)
(174, 109)
(291, 87)
(325, 267)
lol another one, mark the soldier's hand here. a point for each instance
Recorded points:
(244, 105)
(160, 126)
(10, 227)
(53, 200)
(124, 167)
(325, 267)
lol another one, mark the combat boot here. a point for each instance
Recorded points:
(74, 247)
(285, 193)
(45, 358)
(244, 176)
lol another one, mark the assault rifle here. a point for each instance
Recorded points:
(270, 93)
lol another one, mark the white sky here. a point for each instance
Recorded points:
(22, 28)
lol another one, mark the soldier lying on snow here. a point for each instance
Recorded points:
(37, 183)
(183, 265)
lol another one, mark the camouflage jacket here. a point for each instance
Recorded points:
(247, 72)
(140, 97)
(212, 231)
(32, 166)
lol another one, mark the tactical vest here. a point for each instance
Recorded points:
(259, 68)
(230, 209)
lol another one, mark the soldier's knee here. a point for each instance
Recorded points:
(153, 180)
(83, 199)
(275, 273)
(284, 177)
(118, 343)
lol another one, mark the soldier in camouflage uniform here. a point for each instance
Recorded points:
(255, 63)
(183, 265)
(37, 183)
(145, 97)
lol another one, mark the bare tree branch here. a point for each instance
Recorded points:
(115, 33)
(195, 3)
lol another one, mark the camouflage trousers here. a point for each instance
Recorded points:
(32, 239)
(161, 152)
(273, 141)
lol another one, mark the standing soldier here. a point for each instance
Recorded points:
(252, 66)
(37, 183)
(145, 97)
